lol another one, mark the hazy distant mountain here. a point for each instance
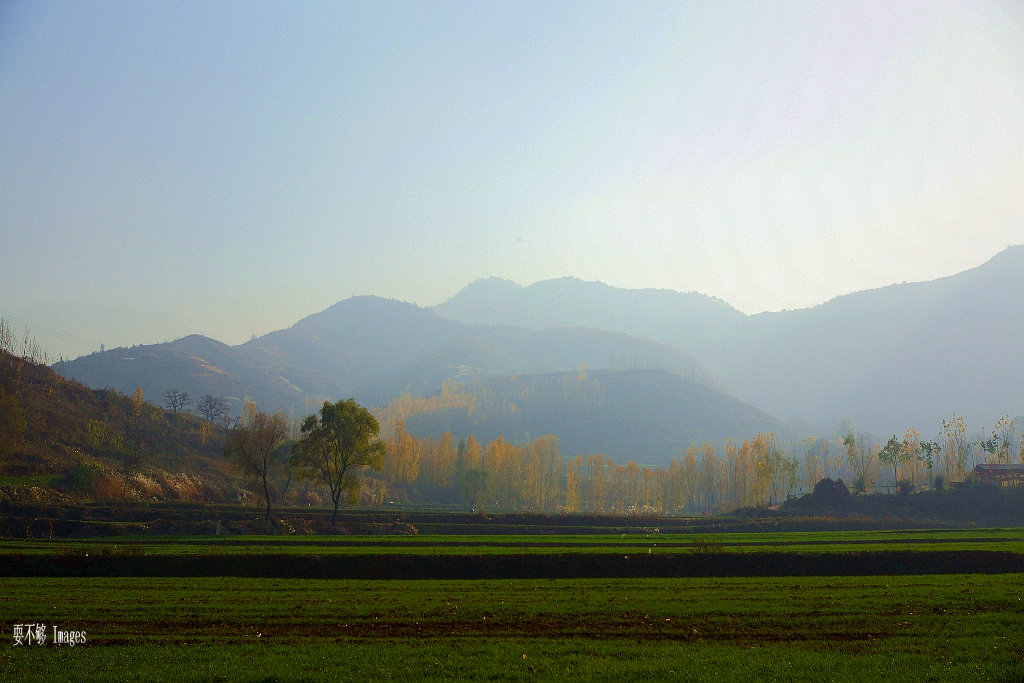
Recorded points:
(357, 342)
(688, 321)
(370, 348)
(887, 358)
(490, 351)
(649, 416)
(198, 365)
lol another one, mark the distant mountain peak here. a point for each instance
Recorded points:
(488, 287)
(570, 301)
(1011, 257)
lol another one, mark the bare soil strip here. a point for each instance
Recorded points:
(522, 566)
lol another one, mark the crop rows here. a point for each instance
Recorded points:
(801, 628)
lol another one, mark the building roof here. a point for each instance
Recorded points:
(998, 467)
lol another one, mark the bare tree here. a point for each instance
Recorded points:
(213, 408)
(177, 400)
(254, 449)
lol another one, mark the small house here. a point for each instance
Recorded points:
(999, 474)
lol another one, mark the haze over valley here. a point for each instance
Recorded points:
(638, 228)
(636, 374)
(468, 340)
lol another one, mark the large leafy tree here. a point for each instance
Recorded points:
(336, 446)
(254, 449)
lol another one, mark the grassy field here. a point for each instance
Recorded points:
(948, 627)
(185, 608)
(1008, 540)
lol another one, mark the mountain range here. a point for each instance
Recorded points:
(887, 359)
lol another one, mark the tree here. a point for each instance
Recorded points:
(403, 461)
(336, 445)
(929, 452)
(253, 448)
(213, 408)
(894, 454)
(956, 448)
(914, 461)
(858, 454)
(474, 483)
(137, 401)
(176, 400)
(1008, 441)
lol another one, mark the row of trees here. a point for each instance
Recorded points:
(937, 462)
(338, 450)
(535, 476)
(705, 479)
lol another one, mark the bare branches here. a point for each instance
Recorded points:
(177, 400)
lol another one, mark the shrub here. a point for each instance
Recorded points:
(106, 488)
(83, 478)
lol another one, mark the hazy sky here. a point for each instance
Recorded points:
(230, 167)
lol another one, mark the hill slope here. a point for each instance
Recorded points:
(648, 416)
(369, 348)
(198, 365)
(61, 441)
(690, 322)
(888, 358)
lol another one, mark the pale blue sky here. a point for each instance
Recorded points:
(228, 168)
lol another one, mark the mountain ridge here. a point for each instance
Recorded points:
(841, 358)
(880, 357)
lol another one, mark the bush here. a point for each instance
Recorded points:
(83, 478)
(831, 490)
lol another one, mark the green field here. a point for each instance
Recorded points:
(947, 627)
(903, 626)
(1009, 540)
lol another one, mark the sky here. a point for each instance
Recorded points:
(228, 168)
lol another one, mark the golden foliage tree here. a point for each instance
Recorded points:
(254, 450)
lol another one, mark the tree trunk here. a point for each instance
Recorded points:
(335, 498)
(266, 497)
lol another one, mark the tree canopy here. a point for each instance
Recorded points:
(336, 445)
